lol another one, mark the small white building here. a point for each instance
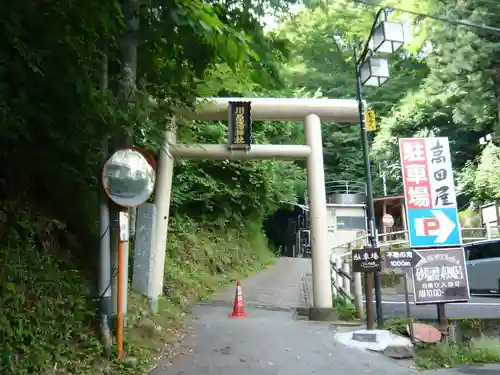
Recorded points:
(490, 218)
(346, 215)
(346, 218)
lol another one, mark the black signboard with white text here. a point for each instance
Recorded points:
(240, 125)
(402, 258)
(366, 259)
(441, 276)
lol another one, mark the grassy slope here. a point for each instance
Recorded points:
(46, 317)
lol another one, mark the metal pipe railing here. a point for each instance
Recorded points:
(348, 284)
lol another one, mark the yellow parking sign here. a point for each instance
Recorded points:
(370, 120)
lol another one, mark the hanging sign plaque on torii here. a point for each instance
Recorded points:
(240, 125)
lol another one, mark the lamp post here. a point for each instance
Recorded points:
(484, 140)
(386, 37)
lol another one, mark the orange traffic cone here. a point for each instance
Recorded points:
(238, 306)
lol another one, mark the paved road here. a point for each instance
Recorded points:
(270, 341)
(477, 307)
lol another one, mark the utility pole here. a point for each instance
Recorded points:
(104, 283)
(125, 95)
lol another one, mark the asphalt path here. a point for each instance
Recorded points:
(272, 343)
(476, 307)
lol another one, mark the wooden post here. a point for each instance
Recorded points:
(403, 218)
(358, 294)
(497, 223)
(384, 228)
(369, 300)
(443, 320)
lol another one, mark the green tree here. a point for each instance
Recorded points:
(321, 62)
(481, 180)
(459, 97)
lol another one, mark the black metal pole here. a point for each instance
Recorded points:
(370, 207)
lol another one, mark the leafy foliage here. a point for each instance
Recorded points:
(321, 62)
(458, 98)
(483, 181)
(61, 89)
(36, 291)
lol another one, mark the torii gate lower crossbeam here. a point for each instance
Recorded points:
(312, 112)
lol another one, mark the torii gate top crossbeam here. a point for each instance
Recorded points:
(278, 109)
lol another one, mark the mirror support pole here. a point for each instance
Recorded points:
(117, 282)
(163, 192)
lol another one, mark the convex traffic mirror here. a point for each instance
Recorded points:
(128, 177)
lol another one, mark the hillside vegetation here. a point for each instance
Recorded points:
(46, 318)
(73, 72)
(63, 87)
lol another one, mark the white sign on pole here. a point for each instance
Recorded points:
(123, 222)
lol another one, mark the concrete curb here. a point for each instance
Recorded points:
(343, 323)
(249, 305)
(305, 289)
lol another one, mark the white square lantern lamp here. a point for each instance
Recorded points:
(388, 37)
(374, 71)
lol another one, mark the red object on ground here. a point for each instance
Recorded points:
(426, 333)
(238, 306)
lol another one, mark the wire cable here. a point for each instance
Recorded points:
(114, 270)
(437, 18)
